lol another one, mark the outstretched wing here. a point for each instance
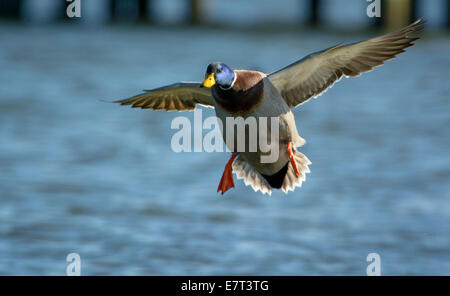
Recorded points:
(312, 75)
(178, 96)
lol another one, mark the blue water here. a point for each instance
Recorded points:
(81, 175)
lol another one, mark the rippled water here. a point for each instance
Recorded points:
(81, 175)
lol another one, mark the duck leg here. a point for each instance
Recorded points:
(292, 159)
(226, 182)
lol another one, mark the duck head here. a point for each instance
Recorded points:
(220, 74)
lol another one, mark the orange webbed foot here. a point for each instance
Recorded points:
(226, 182)
(292, 159)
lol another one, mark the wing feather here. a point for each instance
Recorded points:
(178, 96)
(315, 73)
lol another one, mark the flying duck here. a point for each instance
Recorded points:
(245, 93)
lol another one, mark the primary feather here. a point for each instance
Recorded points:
(312, 75)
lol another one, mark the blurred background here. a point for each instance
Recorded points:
(81, 175)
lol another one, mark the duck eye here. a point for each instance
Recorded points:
(218, 71)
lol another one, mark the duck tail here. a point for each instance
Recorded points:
(285, 179)
(251, 177)
(291, 180)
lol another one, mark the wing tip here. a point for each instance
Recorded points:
(106, 101)
(418, 25)
(421, 20)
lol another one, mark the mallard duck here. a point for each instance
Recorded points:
(247, 93)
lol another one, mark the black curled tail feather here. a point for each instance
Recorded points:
(276, 180)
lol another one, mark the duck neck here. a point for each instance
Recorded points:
(237, 101)
(228, 87)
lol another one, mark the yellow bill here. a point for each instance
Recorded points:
(209, 81)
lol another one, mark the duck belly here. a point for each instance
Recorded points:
(272, 107)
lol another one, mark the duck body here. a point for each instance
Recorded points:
(252, 95)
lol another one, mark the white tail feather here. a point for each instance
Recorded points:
(251, 177)
(245, 171)
(291, 180)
